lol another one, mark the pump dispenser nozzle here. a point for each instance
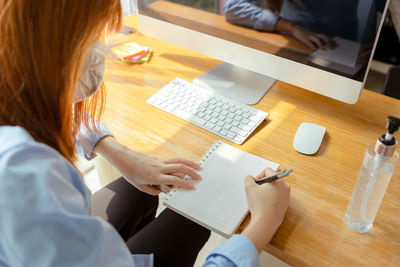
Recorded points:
(386, 144)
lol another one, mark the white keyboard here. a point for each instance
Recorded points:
(215, 113)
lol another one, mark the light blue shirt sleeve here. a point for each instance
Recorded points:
(247, 13)
(87, 139)
(235, 252)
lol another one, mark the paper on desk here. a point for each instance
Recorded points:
(345, 53)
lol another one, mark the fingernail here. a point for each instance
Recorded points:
(190, 185)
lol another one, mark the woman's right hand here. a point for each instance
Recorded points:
(267, 204)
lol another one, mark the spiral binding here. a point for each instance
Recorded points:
(201, 162)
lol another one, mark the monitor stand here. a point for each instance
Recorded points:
(242, 85)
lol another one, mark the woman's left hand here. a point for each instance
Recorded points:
(148, 174)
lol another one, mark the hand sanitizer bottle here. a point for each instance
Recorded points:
(374, 177)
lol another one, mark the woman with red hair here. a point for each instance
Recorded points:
(48, 50)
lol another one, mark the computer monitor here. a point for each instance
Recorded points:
(254, 56)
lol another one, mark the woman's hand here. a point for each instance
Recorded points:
(153, 175)
(149, 174)
(268, 201)
(267, 204)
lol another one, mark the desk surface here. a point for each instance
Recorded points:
(313, 232)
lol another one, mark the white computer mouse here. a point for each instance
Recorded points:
(308, 138)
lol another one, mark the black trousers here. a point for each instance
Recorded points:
(173, 239)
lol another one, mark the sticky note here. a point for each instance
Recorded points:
(128, 50)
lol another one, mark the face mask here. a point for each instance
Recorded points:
(92, 73)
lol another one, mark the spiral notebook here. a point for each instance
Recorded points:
(219, 200)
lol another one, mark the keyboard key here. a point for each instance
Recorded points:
(235, 129)
(221, 117)
(183, 114)
(228, 120)
(213, 120)
(169, 108)
(246, 115)
(231, 135)
(244, 127)
(200, 114)
(209, 125)
(238, 118)
(235, 123)
(217, 128)
(245, 121)
(197, 120)
(251, 124)
(237, 139)
(227, 126)
(255, 118)
(223, 131)
(220, 123)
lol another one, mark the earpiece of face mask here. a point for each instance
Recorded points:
(92, 73)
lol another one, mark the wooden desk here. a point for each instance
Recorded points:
(274, 43)
(313, 232)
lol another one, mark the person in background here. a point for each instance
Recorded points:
(313, 23)
(50, 67)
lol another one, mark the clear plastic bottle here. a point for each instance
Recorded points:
(373, 180)
(375, 175)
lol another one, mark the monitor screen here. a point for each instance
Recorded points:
(324, 46)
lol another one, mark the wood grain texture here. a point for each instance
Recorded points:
(313, 232)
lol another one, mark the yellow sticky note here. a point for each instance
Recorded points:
(128, 50)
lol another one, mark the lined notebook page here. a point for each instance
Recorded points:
(219, 200)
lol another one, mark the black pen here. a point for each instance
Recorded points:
(270, 179)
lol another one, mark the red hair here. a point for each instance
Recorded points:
(42, 48)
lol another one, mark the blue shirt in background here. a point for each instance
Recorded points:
(330, 17)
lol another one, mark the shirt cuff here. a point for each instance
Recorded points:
(239, 250)
(266, 21)
(143, 260)
(87, 139)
